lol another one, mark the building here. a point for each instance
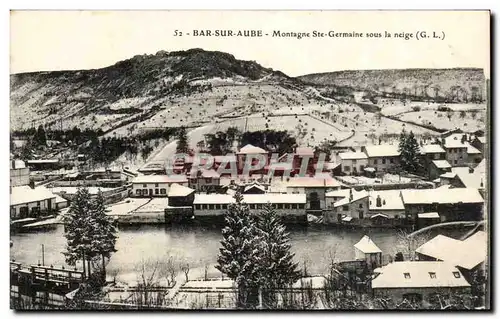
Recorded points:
(452, 204)
(474, 156)
(479, 142)
(291, 207)
(180, 196)
(155, 185)
(44, 164)
(355, 206)
(27, 202)
(456, 146)
(431, 153)
(253, 152)
(437, 168)
(19, 173)
(383, 157)
(386, 208)
(365, 249)
(353, 163)
(204, 180)
(468, 255)
(336, 195)
(418, 281)
(314, 187)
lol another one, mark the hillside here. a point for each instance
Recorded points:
(464, 84)
(182, 87)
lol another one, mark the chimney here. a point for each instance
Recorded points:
(350, 194)
(379, 201)
(32, 184)
(383, 202)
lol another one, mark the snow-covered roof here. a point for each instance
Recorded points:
(304, 151)
(432, 148)
(18, 164)
(205, 173)
(367, 246)
(379, 215)
(472, 150)
(390, 200)
(481, 139)
(355, 197)
(59, 199)
(314, 181)
(43, 161)
(352, 155)
(455, 141)
(481, 167)
(251, 198)
(254, 185)
(165, 179)
(448, 175)
(384, 150)
(177, 190)
(419, 274)
(250, 149)
(466, 254)
(441, 164)
(25, 194)
(473, 180)
(338, 193)
(442, 196)
(428, 215)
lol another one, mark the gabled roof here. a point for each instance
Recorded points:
(367, 246)
(352, 155)
(25, 194)
(417, 274)
(391, 200)
(205, 173)
(177, 190)
(250, 149)
(145, 179)
(255, 185)
(18, 164)
(441, 196)
(441, 164)
(384, 150)
(355, 197)
(466, 254)
(432, 148)
(455, 141)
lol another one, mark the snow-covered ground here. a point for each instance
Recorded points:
(126, 206)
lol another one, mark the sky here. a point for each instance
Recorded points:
(72, 40)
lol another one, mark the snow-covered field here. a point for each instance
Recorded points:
(468, 123)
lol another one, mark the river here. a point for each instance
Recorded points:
(200, 246)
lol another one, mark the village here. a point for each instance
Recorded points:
(353, 187)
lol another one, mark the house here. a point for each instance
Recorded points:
(474, 156)
(31, 202)
(353, 163)
(383, 157)
(355, 206)
(429, 154)
(204, 180)
(291, 207)
(19, 173)
(456, 146)
(436, 168)
(365, 249)
(479, 142)
(452, 204)
(179, 195)
(468, 255)
(44, 164)
(253, 152)
(153, 168)
(155, 185)
(386, 208)
(336, 195)
(314, 187)
(418, 281)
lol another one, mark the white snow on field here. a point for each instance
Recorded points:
(441, 120)
(126, 206)
(155, 205)
(363, 180)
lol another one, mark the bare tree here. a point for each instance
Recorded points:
(185, 267)
(407, 244)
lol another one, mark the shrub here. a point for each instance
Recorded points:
(416, 108)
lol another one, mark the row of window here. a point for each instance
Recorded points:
(456, 150)
(157, 191)
(252, 206)
(384, 161)
(24, 211)
(432, 275)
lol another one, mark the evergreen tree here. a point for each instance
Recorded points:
(40, 136)
(410, 151)
(77, 229)
(182, 142)
(103, 232)
(238, 256)
(277, 268)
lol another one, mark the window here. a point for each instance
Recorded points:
(383, 161)
(163, 191)
(375, 162)
(208, 180)
(294, 206)
(138, 191)
(360, 205)
(23, 212)
(211, 206)
(347, 168)
(456, 162)
(301, 206)
(156, 185)
(252, 206)
(286, 206)
(157, 191)
(407, 275)
(392, 160)
(204, 206)
(144, 185)
(218, 206)
(345, 208)
(197, 206)
(396, 216)
(12, 212)
(224, 206)
(456, 274)
(436, 156)
(279, 206)
(432, 275)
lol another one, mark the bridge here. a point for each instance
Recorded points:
(44, 276)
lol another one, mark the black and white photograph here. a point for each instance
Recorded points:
(249, 160)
